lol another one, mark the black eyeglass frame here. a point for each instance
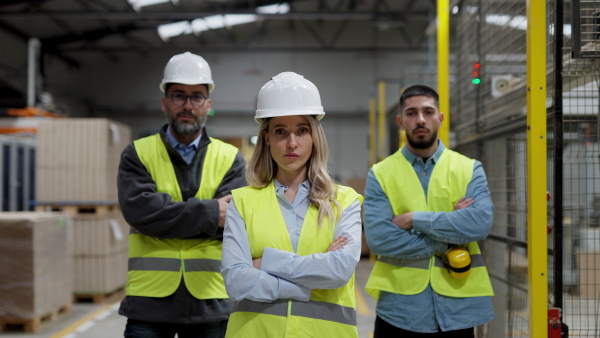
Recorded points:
(185, 97)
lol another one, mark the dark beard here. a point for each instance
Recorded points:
(421, 144)
(186, 129)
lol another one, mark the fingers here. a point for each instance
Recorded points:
(223, 203)
(338, 243)
(463, 203)
(225, 198)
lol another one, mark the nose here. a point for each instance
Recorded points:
(188, 103)
(292, 142)
(420, 118)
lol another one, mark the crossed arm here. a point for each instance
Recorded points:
(422, 234)
(281, 274)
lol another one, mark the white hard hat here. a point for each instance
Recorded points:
(288, 94)
(189, 69)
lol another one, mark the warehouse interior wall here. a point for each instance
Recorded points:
(127, 90)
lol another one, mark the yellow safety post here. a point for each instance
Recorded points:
(402, 138)
(372, 133)
(537, 247)
(443, 62)
(382, 120)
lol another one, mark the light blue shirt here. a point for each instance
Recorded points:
(187, 152)
(284, 274)
(431, 233)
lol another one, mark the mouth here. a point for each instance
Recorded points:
(421, 131)
(186, 116)
(292, 156)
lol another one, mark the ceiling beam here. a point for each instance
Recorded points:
(170, 16)
(47, 49)
(240, 48)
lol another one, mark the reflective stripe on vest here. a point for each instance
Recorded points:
(328, 313)
(314, 309)
(448, 183)
(156, 266)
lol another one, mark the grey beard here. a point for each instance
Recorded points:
(187, 129)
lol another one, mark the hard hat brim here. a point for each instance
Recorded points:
(260, 116)
(163, 85)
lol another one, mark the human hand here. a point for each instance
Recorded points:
(223, 203)
(403, 221)
(256, 263)
(463, 203)
(337, 243)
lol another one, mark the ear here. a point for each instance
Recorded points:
(441, 117)
(266, 137)
(399, 120)
(164, 104)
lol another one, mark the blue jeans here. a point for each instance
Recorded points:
(141, 329)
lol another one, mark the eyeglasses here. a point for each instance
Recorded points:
(180, 99)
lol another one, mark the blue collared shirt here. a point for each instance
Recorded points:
(187, 152)
(285, 274)
(431, 233)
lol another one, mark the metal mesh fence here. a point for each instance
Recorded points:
(489, 119)
(581, 198)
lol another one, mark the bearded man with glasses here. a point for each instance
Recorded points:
(174, 188)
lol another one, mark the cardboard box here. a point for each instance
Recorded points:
(99, 235)
(36, 264)
(77, 160)
(98, 275)
(588, 264)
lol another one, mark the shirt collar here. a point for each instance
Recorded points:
(412, 157)
(280, 187)
(175, 144)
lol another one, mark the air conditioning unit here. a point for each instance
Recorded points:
(502, 84)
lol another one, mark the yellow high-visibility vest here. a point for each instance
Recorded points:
(448, 183)
(329, 312)
(157, 265)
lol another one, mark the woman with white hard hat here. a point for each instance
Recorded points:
(292, 238)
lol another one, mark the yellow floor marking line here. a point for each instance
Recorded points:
(83, 321)
(361, 304)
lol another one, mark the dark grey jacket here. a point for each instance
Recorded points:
(157, 215)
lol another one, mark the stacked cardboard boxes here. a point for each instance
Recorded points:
(100, 253)
(36, 265)
(77, 160)
(77, 163)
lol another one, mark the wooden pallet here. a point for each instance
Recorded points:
(33, 325)
(99, 297)
(83, 209)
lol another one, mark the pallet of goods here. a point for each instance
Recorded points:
(77, 163)
(100, 250)
(100, 254)
(36, 269)
(77, 159)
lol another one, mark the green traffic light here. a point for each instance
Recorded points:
(476, 81)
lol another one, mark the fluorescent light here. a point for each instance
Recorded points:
(238, 19)
(274, 9)
(214, 21)
(170, 30)
(198, 25)
(138, 4)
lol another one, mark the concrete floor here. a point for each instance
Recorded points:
(88, 320)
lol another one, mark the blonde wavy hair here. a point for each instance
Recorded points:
(262, 169)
